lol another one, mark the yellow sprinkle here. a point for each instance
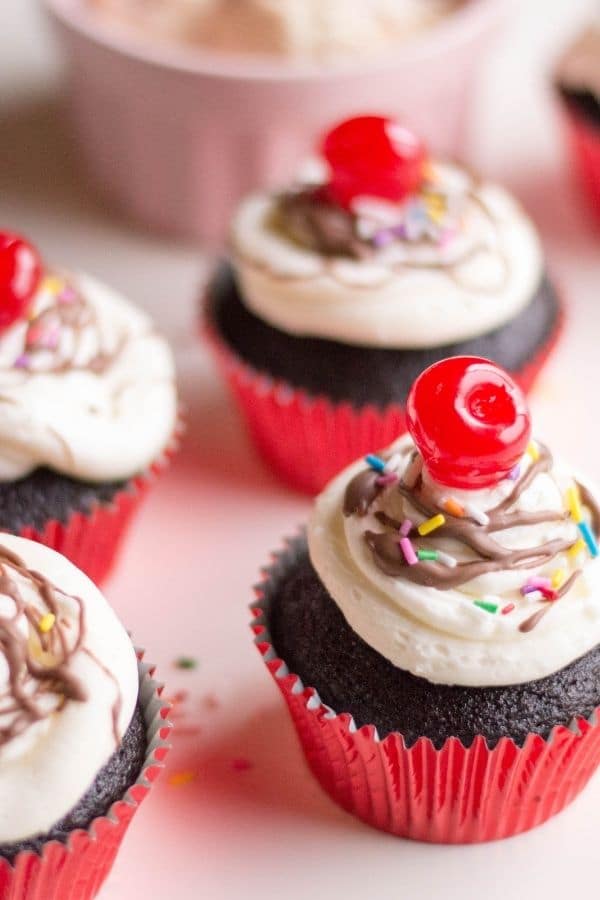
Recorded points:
(46, 623)
(533, 451)
(453, 507)
(574, 503)
(180, 779)
(577, 548)
(558, 578)
(52, 284)
(431, 524)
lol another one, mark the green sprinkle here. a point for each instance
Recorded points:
(488, 607)
(427, 554)
(186, 662)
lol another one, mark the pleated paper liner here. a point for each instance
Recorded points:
(92, 540)
(584, 142)
(453, 795)
(307, 440)
(76, 870)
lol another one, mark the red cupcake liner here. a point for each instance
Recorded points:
(584, 142)
(307, 440)
(92, 540)
(76, 870)
(455, 795)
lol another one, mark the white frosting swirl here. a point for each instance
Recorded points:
(441, 635)
(410, 294)
(46, 769)
(86, 386)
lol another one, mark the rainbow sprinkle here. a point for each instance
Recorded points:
(447, 560)
(558, 578)
(507, 609)
(431, 524)
(588, 537)
(376, 463)
(406, 528)
(573, 501)
(427, 555)
(577, 548)
(408, 551)
(477, 514)
(180, 779)
(533, 451)
(514, 473)
(453, 507)
(47, 623)
(486, 605)
(387, 479)
(186, 662)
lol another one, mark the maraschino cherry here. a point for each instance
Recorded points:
(469, 420)
(372, 156)
(20, 275)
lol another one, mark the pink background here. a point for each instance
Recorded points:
(252, 823)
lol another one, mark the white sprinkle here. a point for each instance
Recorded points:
(446, 559)
(479, 515)
(393, 463)
(412, 471)
(534, 596)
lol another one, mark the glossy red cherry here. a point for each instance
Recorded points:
(373, 156)
(20, 275)
(469, 420)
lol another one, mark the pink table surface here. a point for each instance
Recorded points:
(252, 823)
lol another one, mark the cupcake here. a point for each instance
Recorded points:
(340, 293)
(83, 730)
(578, 81)
(437, 636)
(89, 408)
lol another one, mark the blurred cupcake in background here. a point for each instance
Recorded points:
(578, 81)
(292, 29)
(339, 293)
(83, 728)
(437, 636)
(89, 408)
(237, 92)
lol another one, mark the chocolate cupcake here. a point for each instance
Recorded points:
(89, 408)
(442, 623)
(339, 293)
(82, 727)
(578, 83)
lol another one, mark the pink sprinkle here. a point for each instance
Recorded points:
(514, 473)
(409, 554)
(541, 584)
(385, 480)
(383, 238)
(241, 764)
(22, 361)
(507, 609)
(67, 295)
(406, 528)
(34, 333)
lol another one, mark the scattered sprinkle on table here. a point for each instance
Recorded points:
(186, 662)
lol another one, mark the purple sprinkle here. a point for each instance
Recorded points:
(22, 361)
(406, 528)
(385, 480)
(536, 584)
(67, 295)
(399, 231)
(383, 238)
(514, 473)
(409, 554)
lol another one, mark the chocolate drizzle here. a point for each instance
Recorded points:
(309, 219)
(488, 555)
(40, 676)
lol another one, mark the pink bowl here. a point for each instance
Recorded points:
(176, 135)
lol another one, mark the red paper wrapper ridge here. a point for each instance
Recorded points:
(76, 870)
(307, 440)
(453, 795)
(584, 140)
(92, 540)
